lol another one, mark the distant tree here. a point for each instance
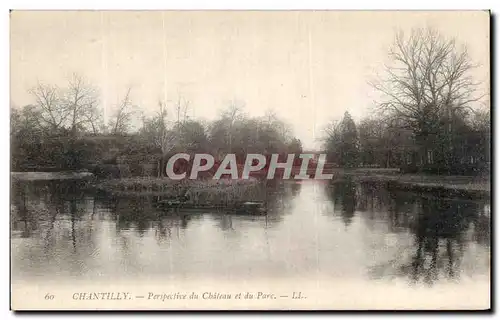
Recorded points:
(235, 132)
(224, 131)
(382, 143)
(121, 120)
(181, 109)
(24, 119)
(371, 142)
(342, 142)
(481, 120)
(26, 136)
(349, 146)
(277, 132)
(157, 131)
(81, 106)
(295, 146)
(193, 136)
(230, 117)
(331, 141)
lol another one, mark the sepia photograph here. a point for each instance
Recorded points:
(250, 160)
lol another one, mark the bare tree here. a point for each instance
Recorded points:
(428, 75)
(234, 111)
(164, 138)
(428, 83)
(230, 116)
(157, 131)
(331, 129)
(181, 109)
(94, 118)
(121, 120)
(51, 111)
(271, 120)
(81, 104)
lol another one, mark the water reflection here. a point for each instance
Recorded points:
(440, 229)
(345, 229)
(344, 198)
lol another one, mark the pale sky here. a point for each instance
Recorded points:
(310, 67)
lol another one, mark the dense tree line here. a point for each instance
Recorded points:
(431, 116)
(64, 129)
(373, 142)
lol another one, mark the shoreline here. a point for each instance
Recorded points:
(440, 186)
(449, 182)
(416, 182)
(186, 192)
(47, 175)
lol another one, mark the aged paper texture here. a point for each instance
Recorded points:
(250, 160)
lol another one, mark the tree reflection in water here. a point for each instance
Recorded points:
(439, 223)
(55, 212)
(440, 234)
(140, 214)
(345, 196)
(440, 228)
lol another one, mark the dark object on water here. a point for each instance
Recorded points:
(248, 207)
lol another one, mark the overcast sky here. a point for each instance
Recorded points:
(310, 67)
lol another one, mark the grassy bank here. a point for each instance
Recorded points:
(223, 191)
(446, 182)
(34, 176)
(440, 186)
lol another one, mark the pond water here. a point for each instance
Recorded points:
(345, 230)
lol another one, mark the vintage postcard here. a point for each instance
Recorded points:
(250, 160)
